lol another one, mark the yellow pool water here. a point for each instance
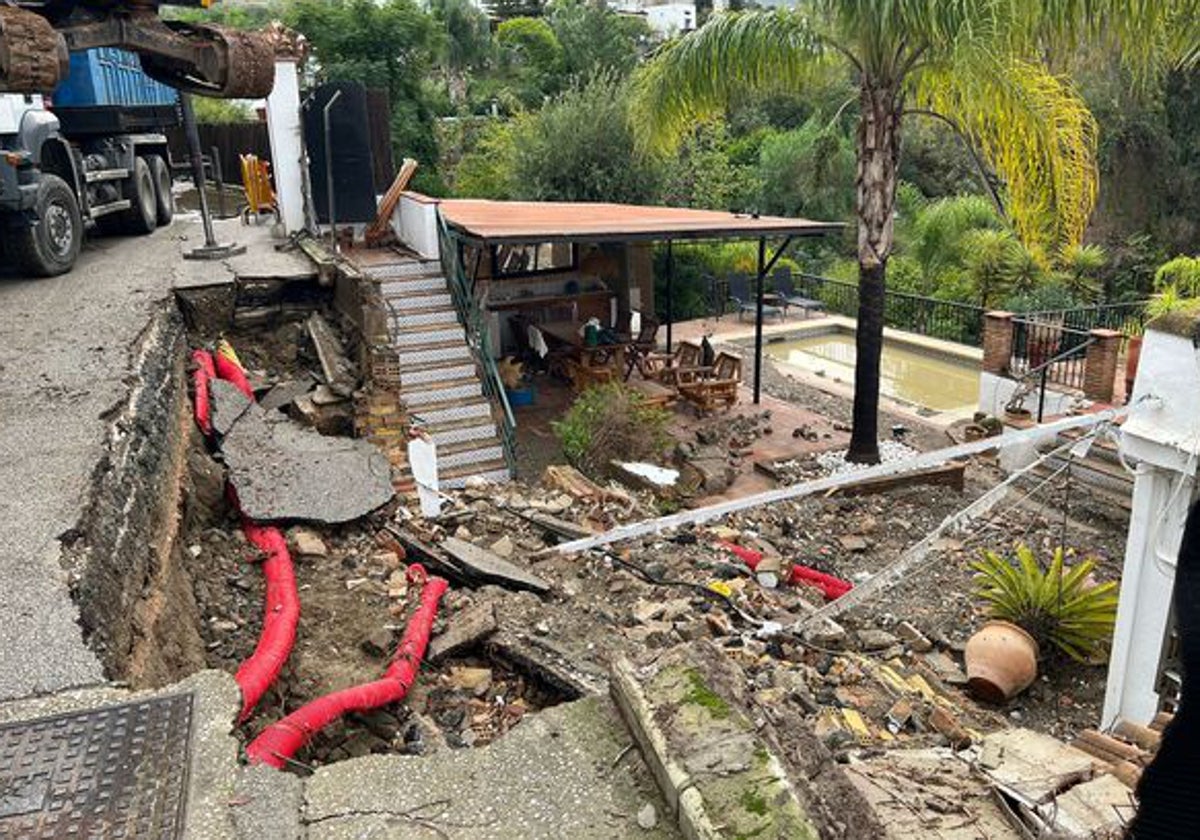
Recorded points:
(941, 384)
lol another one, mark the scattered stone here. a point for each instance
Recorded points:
(719, 623)
(223, 625)
(914, 638)
(647, 817)
(474, 680)
(378, 643)
(826, 633)
(503, 547)
(467, 627)
(873, 639)
(646, 611)
(308, 544)
(542, 628)
(853, 542)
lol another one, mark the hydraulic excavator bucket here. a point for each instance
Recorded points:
(33, 56)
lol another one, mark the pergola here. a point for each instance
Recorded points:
(490, 223)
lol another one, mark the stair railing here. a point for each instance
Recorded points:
(473, 318)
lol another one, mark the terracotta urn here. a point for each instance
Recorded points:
(1001, 661)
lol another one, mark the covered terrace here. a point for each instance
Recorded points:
(559, 264)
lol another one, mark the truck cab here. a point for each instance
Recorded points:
(93, 156)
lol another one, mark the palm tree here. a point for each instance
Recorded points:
(976, 64)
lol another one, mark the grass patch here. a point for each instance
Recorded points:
(754, 802)
(701, 695)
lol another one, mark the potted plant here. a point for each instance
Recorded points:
(1031, 609)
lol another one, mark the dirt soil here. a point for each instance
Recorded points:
(634, 598)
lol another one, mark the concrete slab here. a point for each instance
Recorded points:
(260, 262)
(228, 405)
(561, 773)
(284, 471)
(267, 803)
(212, 752)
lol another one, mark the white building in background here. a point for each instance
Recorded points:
(664, 19)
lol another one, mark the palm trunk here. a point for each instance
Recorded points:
(875, 203)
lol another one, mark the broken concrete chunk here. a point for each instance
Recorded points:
(339, 372)
(307, 544)
(466, 628)
(853, 543)
(283, 393)
(503, 547)
(1031, 767)
(329, 419)
(874, 639)
(647, 817)
(646, 611)
(913, 637)
(480, 563)
(228, 405)
(475, 681)
(281, 471)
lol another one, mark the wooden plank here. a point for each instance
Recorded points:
(1143, 736)
(464, 629)
(334, 364)
(944, 475)
(486, 566)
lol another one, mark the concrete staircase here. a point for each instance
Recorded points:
(439, 380)
(1100, 470)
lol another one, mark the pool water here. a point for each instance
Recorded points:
(941, 384)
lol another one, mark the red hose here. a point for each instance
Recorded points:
(283, 739)
(832, 587)
(281, 605)
(205, 373)
(281, 614)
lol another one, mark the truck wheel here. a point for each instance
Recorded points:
(163, 200)
(142, 217)
(51, 245)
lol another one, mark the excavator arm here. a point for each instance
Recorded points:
(198, 58)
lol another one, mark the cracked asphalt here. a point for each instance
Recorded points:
(64, 345)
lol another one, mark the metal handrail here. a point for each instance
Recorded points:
(473, 319)
(1042, 372)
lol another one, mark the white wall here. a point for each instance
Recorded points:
(995, 391)
(287, 146)
(415, 224)
(1163, 435)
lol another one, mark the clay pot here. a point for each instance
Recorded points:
(1132, 357)
(1001, 661)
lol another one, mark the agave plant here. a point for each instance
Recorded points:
(1059, 606)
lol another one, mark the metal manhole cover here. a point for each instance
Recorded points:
(114, 773)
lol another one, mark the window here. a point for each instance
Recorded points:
(541, 258)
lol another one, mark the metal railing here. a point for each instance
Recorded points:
(1126, 318)
(1068, 366)
(1050, 348)
(948, 320)
(474, 320)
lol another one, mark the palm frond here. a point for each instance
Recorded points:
(1036, 132)
(690, 79)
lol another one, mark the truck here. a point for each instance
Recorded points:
(93, 153)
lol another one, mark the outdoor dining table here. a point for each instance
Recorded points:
(570, 334)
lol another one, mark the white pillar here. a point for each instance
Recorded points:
(1162, 435)
(287, 145)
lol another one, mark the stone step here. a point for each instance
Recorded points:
(456, 477)
(405, 268)
(427, 335)
(470, 456)
(419, 357)
(437, 372)
(461, 431)
(441, 392)
(409, 320)
(416, 285)
(416, 302)
(477, 408)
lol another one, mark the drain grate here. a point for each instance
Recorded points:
(114, 773)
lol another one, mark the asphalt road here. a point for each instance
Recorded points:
(63, 358)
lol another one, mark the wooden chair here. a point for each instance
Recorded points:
(720, 390)
(644, 344)
(681, 366)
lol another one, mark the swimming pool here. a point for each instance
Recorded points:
(938, 381)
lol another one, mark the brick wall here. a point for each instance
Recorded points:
(997, 341)
(1100, 365)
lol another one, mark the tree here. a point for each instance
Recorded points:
(532, 56)
(466, 42)
(976, 64)
(808, 172)
(595, 39)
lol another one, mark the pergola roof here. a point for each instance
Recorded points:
(501, 222)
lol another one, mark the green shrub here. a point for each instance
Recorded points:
(1059, 606)
(611, 422)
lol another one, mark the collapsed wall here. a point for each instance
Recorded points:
(135, 596)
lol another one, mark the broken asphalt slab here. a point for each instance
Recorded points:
(282, 471)
(228, 405)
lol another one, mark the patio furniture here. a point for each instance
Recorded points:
(720, 390)
(783, 287)
(740, 294)
(655, 393)
(643, 344)
(681, 366)
(584, 365)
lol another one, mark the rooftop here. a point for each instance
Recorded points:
(498, 222)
